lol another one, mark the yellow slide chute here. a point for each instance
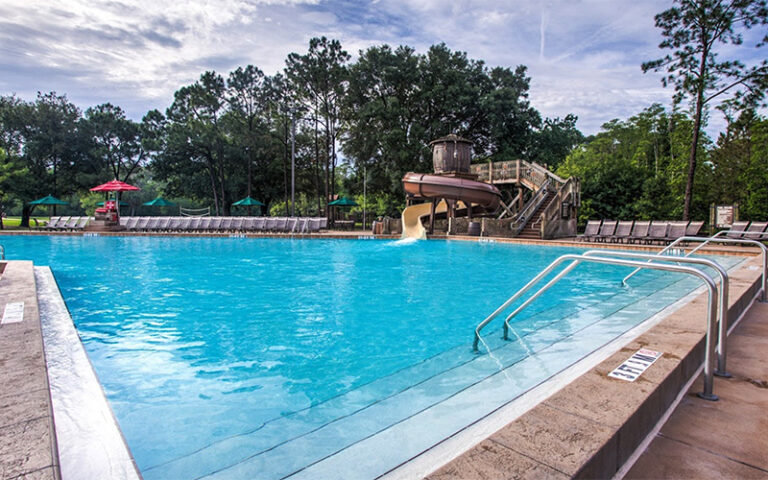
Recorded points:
(412, 226)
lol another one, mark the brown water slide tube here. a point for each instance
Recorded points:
(438, 186)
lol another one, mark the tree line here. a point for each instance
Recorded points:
(224, 137)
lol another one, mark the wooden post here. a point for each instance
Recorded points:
(432, 216)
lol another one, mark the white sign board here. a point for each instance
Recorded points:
(14, 313)
(635, 365)
(723, 216)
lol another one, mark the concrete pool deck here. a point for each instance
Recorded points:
(725, 439)
(597, 425)
(27, 440)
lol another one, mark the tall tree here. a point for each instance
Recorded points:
(693, 29)
(319, 80)
(116, 140)
(196, 132)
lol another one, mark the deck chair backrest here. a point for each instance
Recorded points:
(143, 222)
(259, 224)
(624, 228)
(737, 229)
(190, 223)
(250, 224)
(124, 221)
(237, 224)
(755, 230)
(173, 224)
(72, 222)
(215, 223)
(658, 229)
(677, 230)
(62, 223)
(226, 223)
(593, 226)
(302, 225)
(153, 223)
(52, 222)
(282, 224)
(640, 229)
(607, 228)
(131, 223)
(324, 223)
(693, 228)
(205, 223)
(290, 224)
(82, 223)
(270, 224)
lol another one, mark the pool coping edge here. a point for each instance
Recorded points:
(90, 442)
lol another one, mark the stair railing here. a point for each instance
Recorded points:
(522, 218)
(709, 353)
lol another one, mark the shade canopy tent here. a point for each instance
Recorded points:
(248, 202)
(159, 202)
(343, 202)
(49, 200)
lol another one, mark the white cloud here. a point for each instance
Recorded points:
(583, 56)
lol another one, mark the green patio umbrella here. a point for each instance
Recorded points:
(159, 202)
(343, 202)
(248, 202)
(48, 200)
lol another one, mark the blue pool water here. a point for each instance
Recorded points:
(266, 358)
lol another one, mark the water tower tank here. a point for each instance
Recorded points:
(451, 154)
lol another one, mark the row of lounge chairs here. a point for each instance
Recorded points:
(201, 224)
(754, 230)
(67, 223)
(638, 232)
(225, 224)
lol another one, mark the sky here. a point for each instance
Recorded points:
(583, 57)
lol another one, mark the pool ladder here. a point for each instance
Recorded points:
(2, 252)
(592, 257)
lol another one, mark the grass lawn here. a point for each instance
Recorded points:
(12, 223)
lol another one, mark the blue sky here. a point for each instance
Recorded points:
(583, 56)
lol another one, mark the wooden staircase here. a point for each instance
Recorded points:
(532, 229)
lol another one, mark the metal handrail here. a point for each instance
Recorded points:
(715, 239)
(722, 334)
(2, 252)
(577, 259)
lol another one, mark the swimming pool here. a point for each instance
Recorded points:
(266, 358)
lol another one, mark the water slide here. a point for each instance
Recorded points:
(412, 226)
(438, 186)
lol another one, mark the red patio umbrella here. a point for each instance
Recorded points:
(115, 186)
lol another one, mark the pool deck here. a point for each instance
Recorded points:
(589, 429)
(27, 440)
(725, 439)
